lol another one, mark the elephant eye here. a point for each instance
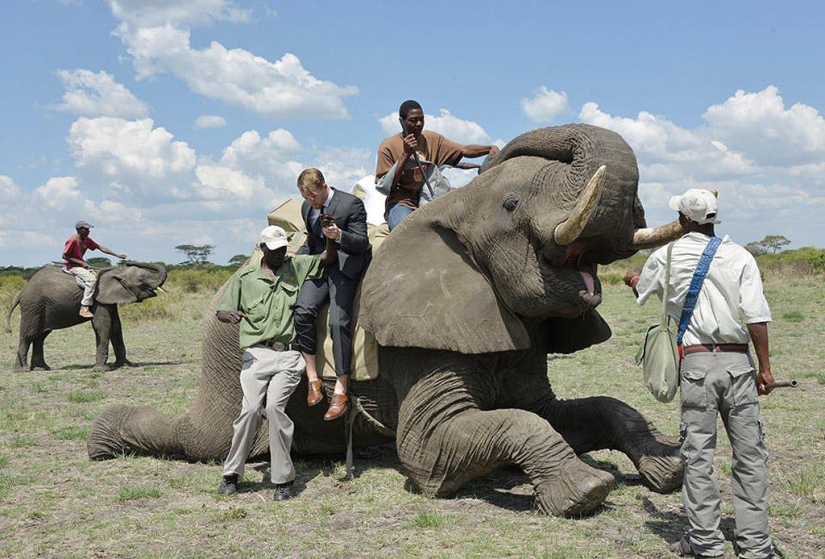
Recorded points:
(511, 202)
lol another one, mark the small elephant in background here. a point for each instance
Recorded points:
(51, 301)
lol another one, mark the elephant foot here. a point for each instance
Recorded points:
(119, 364)
(40, 367)
(580, 491)
(102, 368)
(661, 474)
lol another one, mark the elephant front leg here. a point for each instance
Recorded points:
(599, 423)
(444, 442)
(116, 336)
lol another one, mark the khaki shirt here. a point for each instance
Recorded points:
(432, 147)
(267, 304)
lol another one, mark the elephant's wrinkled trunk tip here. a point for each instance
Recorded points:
(571, 229)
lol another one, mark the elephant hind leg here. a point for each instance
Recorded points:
(474, 442)
(38, 358)
(607, 423)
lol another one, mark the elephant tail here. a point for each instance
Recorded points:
(8, 316)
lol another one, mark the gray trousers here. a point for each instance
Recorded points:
(723, 383)
(274, 374)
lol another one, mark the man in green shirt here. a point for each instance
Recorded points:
(259, 300)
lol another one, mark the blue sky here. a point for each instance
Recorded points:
(166, 122)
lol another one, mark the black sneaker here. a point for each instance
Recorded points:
(283, 491)
(229, 485)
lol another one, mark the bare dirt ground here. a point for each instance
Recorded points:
(55, 502)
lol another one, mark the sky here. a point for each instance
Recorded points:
(170, 122)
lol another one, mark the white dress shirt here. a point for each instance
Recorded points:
(731, 296)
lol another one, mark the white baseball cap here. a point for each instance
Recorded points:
(273, 237)
(697, 204)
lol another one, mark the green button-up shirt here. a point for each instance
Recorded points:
(268, 304)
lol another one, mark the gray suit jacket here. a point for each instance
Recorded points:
(354, 249)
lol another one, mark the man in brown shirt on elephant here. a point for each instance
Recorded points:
(432, 149)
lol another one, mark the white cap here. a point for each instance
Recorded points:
(273, 237)
(697, 204)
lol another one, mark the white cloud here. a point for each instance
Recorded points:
(90, 94)
(766, 161)
(344, 167)
(9, 192)
(545, 105)
(281, 89)
(454, 128)
(759, 125)
(223, 183)
(116, 146)
(148, 13)
(210, 121)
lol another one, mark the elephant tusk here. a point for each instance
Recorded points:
(653, 237)
(162, 290)
(570, 229)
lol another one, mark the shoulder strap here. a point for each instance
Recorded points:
(696, 286)
(663, 318)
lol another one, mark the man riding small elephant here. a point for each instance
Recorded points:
(76, 246)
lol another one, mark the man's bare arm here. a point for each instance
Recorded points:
(759, 336)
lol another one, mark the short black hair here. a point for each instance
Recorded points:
(407, 106)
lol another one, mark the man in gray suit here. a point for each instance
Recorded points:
(330, 213)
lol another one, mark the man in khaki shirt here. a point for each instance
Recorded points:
(432, 149)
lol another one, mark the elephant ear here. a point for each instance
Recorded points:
(112, 289)
(424, 291)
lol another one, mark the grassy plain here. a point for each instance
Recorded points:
(54, 502)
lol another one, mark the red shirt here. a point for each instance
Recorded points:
(75, 249)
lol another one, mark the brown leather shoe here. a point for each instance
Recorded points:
(315, 392)
(337, 407)
(86, 312)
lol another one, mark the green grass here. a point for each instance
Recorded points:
(56, 502)
(140, 492)
(793, 316)
(73, 433)
(84, 396)
(428, 519)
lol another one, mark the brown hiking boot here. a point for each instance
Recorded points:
(86, 312)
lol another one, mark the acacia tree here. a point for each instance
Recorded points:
(197, 255)
(238, 260)
(774, 242)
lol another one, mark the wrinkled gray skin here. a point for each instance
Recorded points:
(51, 301)
(467, 297)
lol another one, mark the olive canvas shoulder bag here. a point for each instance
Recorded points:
(659, 356)
(661, 352)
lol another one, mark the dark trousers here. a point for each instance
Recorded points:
(339, 290)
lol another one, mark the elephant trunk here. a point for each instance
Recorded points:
(204, 432)
(133, 430)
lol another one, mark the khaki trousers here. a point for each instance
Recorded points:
(275, 375)
(723, 383)
(89, 279)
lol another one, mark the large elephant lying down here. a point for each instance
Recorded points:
(467, 297)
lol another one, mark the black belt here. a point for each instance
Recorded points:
(280, 346)
(733, 348)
